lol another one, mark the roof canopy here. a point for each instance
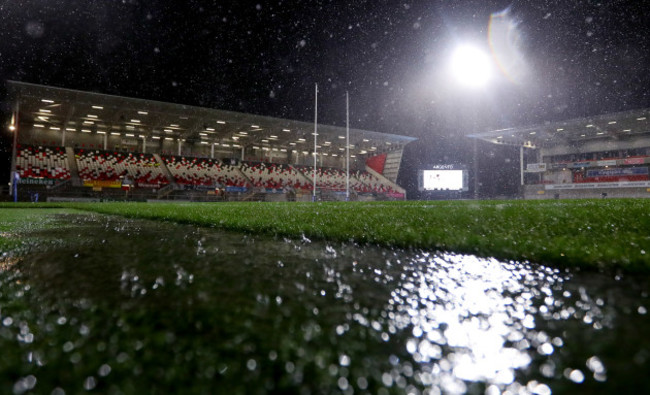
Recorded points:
(614, 126)
(74, 110)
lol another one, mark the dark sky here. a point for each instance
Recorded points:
(580, 58)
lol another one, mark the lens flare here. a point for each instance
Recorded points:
(504, 38)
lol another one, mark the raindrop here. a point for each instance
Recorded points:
(574, 375)
(84, 330)
(90, 383)
(387, 379)
(545, 349)
(68, 346)
(362, 383)
(538, 388)
(25, 384)
(251, 364)
(343, 383)
(329, 250)
(595, 365)
(35, 29)
(104, 370)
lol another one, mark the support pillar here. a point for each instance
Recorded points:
(13, 181)
(521, 164)
(476, 182)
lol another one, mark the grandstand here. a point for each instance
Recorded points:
(603, 156)
(71, 145)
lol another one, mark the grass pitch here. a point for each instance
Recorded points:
(596, 234)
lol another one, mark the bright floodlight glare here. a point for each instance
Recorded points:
(471, 66)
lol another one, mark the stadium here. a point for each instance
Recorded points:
(79, 145)
(591, 157)
(87, 146)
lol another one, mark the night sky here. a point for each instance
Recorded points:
(575, 58)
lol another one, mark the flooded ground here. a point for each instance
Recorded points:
(109, 305)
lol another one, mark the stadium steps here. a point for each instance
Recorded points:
(72, 165)
(386, 181)
(168, 175)
(391, 168)
(61, 184)
(241, 173)
(164, 192)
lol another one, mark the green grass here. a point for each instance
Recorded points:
(16, 221)
(596, 234)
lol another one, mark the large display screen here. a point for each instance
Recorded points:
(442, 180)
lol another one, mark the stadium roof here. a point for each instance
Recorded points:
(74, 110)
(607, 127)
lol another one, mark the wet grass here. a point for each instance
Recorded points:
(24, 219)
(596, 234)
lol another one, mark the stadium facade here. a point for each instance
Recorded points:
(69, 144)
(593, 157)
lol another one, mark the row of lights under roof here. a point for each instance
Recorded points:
(140, 112)
(171, 125)
(202, 142)
(301, 140)
(296, 151)
(609, 123)
(352, 146)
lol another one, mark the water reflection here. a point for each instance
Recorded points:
(189, 309)
(471, 319)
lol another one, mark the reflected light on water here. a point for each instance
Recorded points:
(471, 319)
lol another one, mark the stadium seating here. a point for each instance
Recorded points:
(335, 179)
(42, 162)
(365, 182)
(274, 176)
(144, 170)
(326, 177)
(97, 165)
(578, 177)
(204, 171)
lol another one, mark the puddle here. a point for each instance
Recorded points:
(113, 305)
